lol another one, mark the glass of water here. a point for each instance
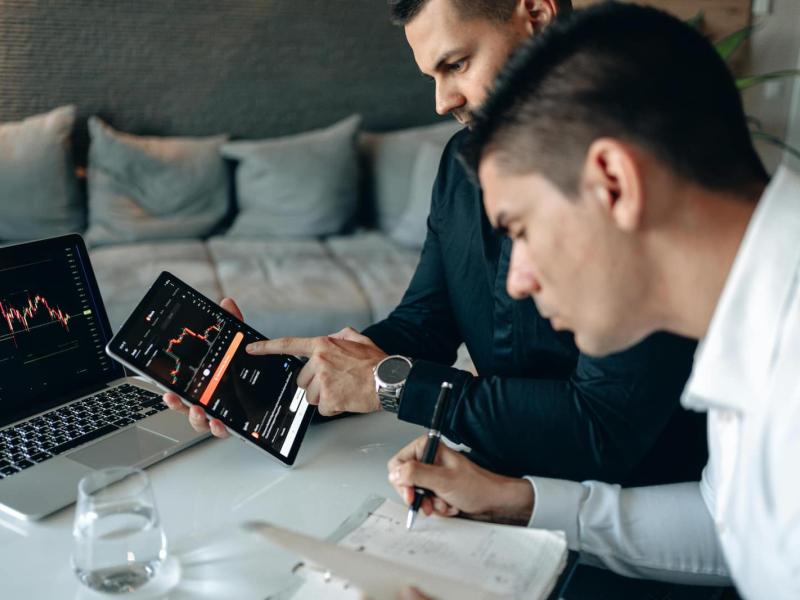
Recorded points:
(119, 543)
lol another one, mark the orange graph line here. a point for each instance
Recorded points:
(178, 340)
(11, 314)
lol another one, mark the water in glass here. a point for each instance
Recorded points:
(119, 543)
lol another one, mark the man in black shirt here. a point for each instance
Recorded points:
(537, 405)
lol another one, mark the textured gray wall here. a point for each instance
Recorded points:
(251, 68)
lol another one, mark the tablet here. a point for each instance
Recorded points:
(187, 344)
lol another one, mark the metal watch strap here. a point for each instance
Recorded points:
(389, 402)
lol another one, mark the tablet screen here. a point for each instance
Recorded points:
(188, 344)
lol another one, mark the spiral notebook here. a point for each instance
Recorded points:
(372, 554)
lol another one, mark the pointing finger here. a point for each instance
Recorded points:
(286, 345)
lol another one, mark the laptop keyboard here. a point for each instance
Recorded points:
(67, 427)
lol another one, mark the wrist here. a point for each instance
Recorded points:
(512, 502)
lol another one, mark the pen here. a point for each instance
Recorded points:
(434, 435)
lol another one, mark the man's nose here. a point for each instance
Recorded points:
(521, 282)
(448, 99)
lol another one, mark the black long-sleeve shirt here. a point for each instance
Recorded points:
(538, 406)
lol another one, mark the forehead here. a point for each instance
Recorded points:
(440, 28)
(509, 193)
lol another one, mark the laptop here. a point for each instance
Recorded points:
(67, 408)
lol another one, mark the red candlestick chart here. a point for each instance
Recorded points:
(18, 319)
(177, 341)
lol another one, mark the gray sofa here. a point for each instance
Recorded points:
(141, 200)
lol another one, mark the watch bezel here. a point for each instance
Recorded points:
(382, 385)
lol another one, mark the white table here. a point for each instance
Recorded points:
(203, 494)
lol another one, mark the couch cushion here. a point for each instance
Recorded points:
(412, 226)
(125, 272)
(382, 268)
(149, 188)
(299, 186)
(38, 190)
(290, 287)
(390, 158)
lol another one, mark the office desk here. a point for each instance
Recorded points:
(203, 494)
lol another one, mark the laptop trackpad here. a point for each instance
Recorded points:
(127, 448)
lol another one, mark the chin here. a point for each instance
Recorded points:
(595, 345)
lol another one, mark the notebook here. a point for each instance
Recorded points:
(372, 554)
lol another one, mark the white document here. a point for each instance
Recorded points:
(445, 558)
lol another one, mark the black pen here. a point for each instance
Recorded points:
(434, 435)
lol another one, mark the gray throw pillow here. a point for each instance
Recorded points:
(38, 191)
(152, 188)
(412, 226)
(298, 186)
(391, 157)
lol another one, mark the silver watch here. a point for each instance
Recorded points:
(390, 377)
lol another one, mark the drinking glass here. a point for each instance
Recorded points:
(119, 542)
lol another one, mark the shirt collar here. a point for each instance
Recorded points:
(733, 362)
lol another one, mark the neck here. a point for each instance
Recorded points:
(695, 254)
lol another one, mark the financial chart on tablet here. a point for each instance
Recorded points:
(191, 346)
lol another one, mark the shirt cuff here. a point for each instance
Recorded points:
(556, 505)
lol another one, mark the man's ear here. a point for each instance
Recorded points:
(612, 178)
(538, 13)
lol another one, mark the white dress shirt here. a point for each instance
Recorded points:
(745, 513)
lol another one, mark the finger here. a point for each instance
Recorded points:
(412, 451)
(312, 392)
(218, 428)
(306, 374)
(417, 474)
(426, 506)
(441, 507)
(198, 420)
(287, 345)
(231, 306)
(174, 402)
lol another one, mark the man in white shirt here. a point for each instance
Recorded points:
(614, 151)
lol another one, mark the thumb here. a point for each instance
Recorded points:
(351, 335)
(231, 306)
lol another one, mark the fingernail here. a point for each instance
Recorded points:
(250, 348)
(394, 475)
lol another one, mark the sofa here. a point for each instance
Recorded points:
(305, 239)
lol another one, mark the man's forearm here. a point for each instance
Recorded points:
(658, 532)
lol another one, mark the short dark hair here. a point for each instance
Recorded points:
(622, 71)
(404, 11)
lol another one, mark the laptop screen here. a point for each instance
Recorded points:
(53, 326)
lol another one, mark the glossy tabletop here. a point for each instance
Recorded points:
(203, 494)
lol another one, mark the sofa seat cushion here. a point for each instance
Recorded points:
(289, 287)
(125, 272)
(383, 268)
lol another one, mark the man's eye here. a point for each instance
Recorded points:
(457, 66)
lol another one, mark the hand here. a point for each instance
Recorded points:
(460, 486)
(338, 376)
(197, 416)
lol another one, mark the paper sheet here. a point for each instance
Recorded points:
(447, 558)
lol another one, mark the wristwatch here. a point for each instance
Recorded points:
(390, 377)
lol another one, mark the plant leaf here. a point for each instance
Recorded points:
(728, 45)
(696, 21)
(745, 82)
(775, 141)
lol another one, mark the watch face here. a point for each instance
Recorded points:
(393, 370)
